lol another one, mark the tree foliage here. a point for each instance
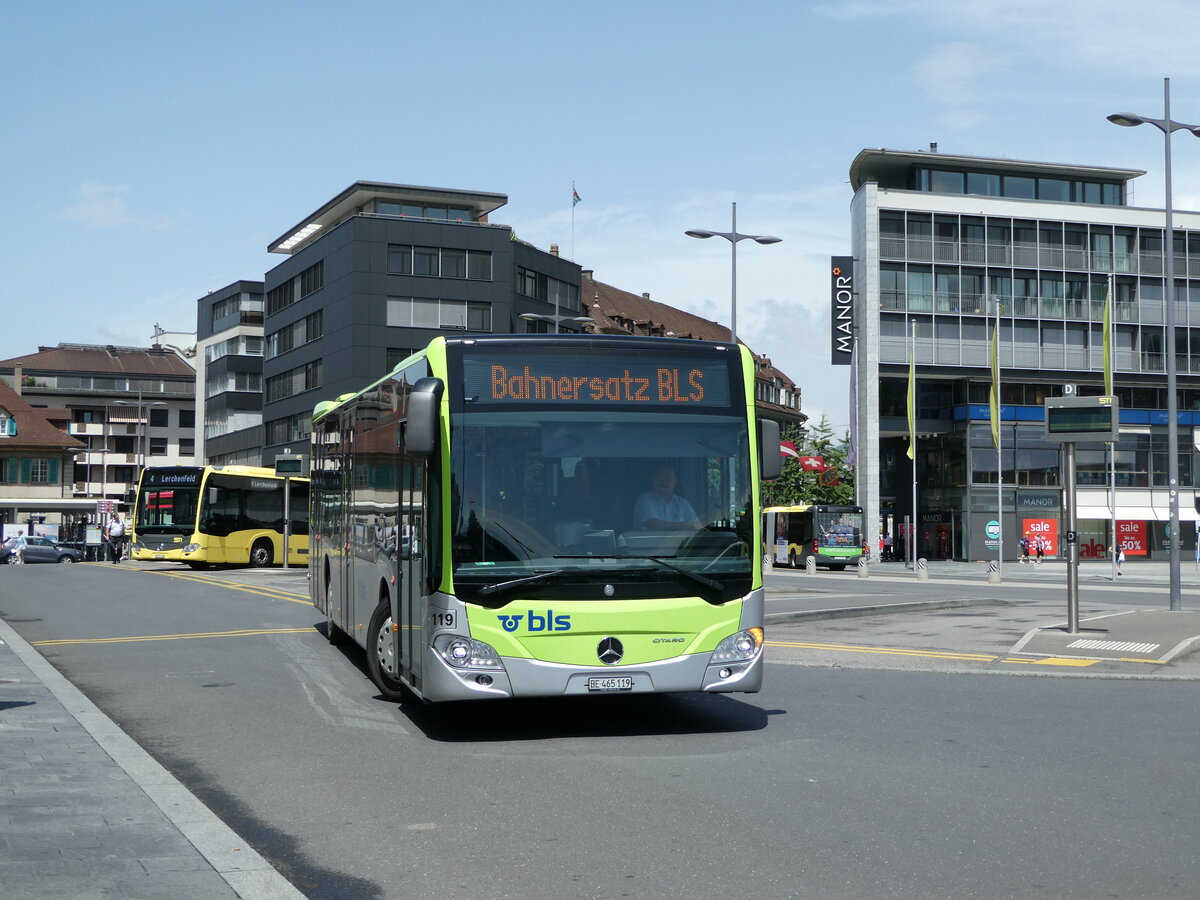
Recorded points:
(796, 485)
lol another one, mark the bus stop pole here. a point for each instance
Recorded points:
(1072, 541)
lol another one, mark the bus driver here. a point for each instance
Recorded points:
(660, 508)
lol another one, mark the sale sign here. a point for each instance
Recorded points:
(1046, 529)
(1131, 537)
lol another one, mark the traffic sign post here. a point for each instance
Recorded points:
(288, 465)
(1068, 420)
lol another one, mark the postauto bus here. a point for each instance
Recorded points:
(232, 515)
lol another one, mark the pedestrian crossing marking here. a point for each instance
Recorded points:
(1127, 646)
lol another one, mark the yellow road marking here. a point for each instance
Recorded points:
(245, 632)
(946, 654)
(274, 593)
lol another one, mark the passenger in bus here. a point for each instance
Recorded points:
(660, 508)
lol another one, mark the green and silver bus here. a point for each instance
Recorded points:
(514, 516)
(224, 515)
(831, 536)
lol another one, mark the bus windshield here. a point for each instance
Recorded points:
(580, 496)
(838, 529)
(167, 501)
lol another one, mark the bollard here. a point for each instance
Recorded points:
(862, 568)
(810, 565)
(922, 571)
(993, 573)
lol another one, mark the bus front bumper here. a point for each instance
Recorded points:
(522, 677)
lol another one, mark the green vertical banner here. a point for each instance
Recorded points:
(1108, 372)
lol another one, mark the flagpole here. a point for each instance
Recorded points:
(913, 446)
(1112, 447)
(999, 456)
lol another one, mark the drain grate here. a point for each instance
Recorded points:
(1127, 646)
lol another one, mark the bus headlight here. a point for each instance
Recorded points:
(191, 548)
(466, 653)
(738, 647)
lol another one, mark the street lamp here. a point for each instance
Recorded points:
(733, 237)
(1167, 126)
(141, 405)
(556, 318)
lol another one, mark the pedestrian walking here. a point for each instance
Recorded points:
(1025, 548)
(19, 548)
(1040, 544)
(114, 535)
(1120, 558)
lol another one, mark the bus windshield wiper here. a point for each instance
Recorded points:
(506, 586)
(714, 591)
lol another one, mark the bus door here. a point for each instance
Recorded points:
(409, 597)
(342, 555)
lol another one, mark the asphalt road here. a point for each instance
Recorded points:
(834, 782)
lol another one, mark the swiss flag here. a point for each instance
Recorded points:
(787, 448)
(812, 463)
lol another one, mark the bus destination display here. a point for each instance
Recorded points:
(612, 379)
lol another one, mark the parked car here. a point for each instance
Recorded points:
(39, 550)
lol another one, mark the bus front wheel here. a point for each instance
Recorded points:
(261, 554)
(381, 657)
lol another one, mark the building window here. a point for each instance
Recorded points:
(289, 429)
(444, 262)
(160, 416)
(280, 297)
(187, 418)
(187, 447)
(312, 279)
(158, 446)
(39, 471)
(396, 355)
(420, 312)
(294, 381)
(297, 334)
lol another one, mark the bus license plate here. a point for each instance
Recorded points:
(160, 556)
(620, 683)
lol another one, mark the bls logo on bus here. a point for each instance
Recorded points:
(537, 623)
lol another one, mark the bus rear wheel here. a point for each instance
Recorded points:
(381, 657)
(261, 554)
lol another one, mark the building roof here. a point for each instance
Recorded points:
(97, 359)
(35, 428)
(891, 167)
(614, 311)
(354, 198)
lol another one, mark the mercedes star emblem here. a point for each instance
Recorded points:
(610, 651)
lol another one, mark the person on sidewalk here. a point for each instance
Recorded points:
(1025, 548)
(19, 548)
(114, 534)
(1120, 558)
(1040, 544)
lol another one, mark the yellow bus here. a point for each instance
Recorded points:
(218, 515)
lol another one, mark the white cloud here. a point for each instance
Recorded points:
(100, 206)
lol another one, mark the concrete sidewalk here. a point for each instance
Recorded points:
(86, 813)
(1145, 631)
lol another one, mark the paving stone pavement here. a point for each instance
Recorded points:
(86, 813)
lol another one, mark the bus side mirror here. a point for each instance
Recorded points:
(421, 431)
(770, 462)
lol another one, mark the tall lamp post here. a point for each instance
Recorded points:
(733, 237)
(556, 319)
(141, 406)
(1167, 126)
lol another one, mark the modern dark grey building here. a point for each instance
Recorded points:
(229, 339)
(382, 269)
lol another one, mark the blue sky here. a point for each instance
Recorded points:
(152, 150)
